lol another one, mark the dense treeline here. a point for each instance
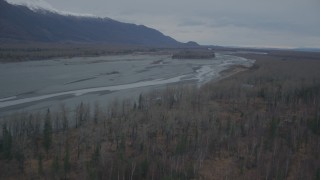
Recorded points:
(260, 124)
(27, 52)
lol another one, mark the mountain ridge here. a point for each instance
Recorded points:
(18, 23)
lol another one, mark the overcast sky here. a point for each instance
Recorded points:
(262, 23)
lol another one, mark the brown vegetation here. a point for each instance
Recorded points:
(40, 51)
(259, 124)
(194, 54)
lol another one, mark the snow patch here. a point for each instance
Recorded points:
(40, 5)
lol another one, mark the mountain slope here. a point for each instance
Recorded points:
(20, 24)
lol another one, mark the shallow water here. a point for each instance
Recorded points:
(44, 84)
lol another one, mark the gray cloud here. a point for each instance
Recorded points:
(285, 23)
(191, 22)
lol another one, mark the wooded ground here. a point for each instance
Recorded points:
(263, 123)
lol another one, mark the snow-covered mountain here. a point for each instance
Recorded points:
(43, 6)
(33, 4)
(37, 21)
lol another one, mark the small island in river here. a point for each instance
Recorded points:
(194, 54)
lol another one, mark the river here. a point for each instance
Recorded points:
(38, 85)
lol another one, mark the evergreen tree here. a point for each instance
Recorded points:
(47, 132)
(140, 105)
(55, 165)
(7, 143)
(66, 162)
(40, 165)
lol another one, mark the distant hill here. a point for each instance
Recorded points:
(21, 24)
(308, 49)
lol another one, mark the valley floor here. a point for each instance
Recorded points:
(263, 123)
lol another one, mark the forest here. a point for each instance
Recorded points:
(39, 51)
(262, 123)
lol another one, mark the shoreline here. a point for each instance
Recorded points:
(205, 74)
(233, 70)
(10, 102)
(238, 131)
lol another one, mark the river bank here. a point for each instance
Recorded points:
(234, 128)
(47, 84)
